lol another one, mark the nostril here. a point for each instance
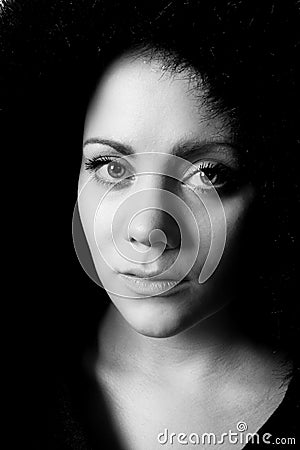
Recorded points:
(154, 227)
(139, 246)
(155, 237)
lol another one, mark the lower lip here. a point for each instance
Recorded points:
(148, 287)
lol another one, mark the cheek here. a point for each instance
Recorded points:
(96, 212)
(211, 221)
(237, 210)
(221, 226)
(102, 226)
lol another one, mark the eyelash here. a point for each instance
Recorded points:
(219, 170)
(231, 180)
(95, 163)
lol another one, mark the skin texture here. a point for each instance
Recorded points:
(138, 104)
(201, 373)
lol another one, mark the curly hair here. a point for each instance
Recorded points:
(246, 52)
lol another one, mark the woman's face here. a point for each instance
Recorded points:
(160, 191)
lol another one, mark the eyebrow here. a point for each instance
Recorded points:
(118, 146)
(182, 149)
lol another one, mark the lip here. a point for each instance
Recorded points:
(153, 286)
(154, 274)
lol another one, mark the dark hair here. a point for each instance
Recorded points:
(246, 52)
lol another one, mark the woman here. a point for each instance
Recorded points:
(191, 111)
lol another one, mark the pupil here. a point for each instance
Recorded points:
(115, 169)
(208, 175)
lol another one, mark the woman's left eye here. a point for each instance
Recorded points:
(207, 175)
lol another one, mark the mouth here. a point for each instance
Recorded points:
(152, 286)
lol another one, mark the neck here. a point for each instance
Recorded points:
(208, 349)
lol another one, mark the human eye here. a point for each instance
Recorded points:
(110, 170)
(205, 175)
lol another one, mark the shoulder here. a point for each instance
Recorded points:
(284, 422)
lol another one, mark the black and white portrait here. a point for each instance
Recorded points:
(155, 150)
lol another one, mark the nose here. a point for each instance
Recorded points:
(154, 225)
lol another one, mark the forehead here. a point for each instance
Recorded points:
(138, 102)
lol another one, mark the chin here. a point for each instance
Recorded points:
(157, 318)
(160, 330)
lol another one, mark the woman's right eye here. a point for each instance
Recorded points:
(110, 170)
